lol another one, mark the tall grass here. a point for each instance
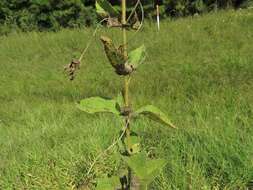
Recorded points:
(199, 70)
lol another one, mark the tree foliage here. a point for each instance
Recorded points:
(27, 15)
(46, 14)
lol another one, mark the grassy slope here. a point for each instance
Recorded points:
(199, 71)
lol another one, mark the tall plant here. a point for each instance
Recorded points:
(140, 169)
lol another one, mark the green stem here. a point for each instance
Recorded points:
(126, 82)
(124, 36)
(123, 15)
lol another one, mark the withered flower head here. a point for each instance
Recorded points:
(71, 68)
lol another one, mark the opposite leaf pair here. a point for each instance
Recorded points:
(99, 105)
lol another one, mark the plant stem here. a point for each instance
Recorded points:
(124, 36)
(123, 9)
(126, 82)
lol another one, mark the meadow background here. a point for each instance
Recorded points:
(199, 70)
(52, 15)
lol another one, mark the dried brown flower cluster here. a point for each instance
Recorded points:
(71, 68)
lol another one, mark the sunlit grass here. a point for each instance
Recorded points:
(198, 70)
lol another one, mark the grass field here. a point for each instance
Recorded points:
(198, 70)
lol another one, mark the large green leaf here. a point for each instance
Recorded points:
(107, 7)
(108, 183)
(137, 56)
(98, 105)
(144, 168)
(155, 114)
